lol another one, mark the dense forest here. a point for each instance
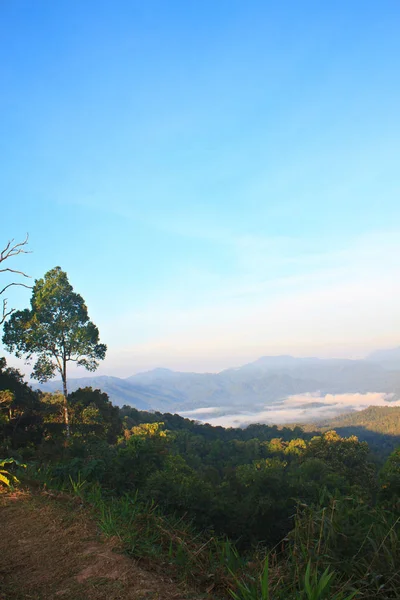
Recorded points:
(379, 426)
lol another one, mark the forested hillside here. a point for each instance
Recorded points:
(184, 488)
(379, 426)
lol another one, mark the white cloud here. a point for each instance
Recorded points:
(295, 410)
(200, 411)
(337, 312)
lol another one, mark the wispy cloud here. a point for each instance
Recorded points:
(342, 302)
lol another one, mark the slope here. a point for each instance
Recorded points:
(50, 548)
(377, 425)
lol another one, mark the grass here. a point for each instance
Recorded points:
(315, 587)
(359, 542)
(171, 542)
(50, 547)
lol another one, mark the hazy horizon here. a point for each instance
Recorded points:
(79, 373)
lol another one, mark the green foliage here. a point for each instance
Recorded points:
(390, 479)
(78, 485)
(318, 587)
(377, 425)
(146, 532)
(347, 457)
(20, 415)
(93, 416)
(313, 586)
(6, 477)
(359, 542)
(56, 328)
(255, 588)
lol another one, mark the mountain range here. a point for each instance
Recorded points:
(261, 383)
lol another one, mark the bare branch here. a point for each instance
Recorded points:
(5, 313)
(14, 271)
(29, 287)
(12, 249)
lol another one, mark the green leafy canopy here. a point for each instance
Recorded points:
(56, 329)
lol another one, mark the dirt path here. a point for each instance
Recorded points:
(50, 548)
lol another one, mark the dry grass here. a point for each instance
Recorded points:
(50, 548)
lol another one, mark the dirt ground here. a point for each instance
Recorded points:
(50, 548)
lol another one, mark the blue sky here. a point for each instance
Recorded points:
(219, 179)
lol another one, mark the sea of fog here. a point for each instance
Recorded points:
(301, 408)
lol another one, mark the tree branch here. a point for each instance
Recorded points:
(13, 249)
(15, 271)
(5, 314)
(29, 287)
(56, 356)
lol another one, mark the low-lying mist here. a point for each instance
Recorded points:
(301, 408)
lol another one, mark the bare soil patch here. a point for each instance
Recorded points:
(50, 548)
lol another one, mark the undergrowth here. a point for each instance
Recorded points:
(341, 551)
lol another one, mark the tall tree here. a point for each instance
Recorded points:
(56, 330)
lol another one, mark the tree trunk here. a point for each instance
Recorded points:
(65, 392)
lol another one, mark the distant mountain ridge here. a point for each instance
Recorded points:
(389, 359)
(260, 383)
